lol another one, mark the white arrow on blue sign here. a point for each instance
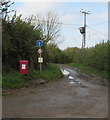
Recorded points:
(39, 43)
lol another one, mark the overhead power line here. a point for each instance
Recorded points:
(62, 23)
(98, 31)
(70, 24)
(76, 26)
(99, 23)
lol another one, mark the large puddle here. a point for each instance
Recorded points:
(73, 79)
(70, 78)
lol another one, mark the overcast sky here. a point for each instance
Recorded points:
(72, 19)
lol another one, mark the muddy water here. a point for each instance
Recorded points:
(79, 78)
(60, 99)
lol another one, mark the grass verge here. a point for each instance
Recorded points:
(12, 80)
(90, 71)
(52, 73)
(15, 80)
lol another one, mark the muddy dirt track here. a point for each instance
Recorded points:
(81, 97)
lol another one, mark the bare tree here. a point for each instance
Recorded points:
(4, 8)
(50, 26)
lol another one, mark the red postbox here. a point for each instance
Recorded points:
(24, 66)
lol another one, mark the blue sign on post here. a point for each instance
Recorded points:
(39, 43)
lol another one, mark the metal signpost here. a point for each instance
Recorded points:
(39, 43)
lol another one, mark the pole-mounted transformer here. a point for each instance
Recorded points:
(82, 30)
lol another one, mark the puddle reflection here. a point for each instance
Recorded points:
(70, 78)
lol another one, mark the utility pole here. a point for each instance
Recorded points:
(83, 29)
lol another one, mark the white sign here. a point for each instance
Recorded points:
(40, 59)
(40, 51)
(23, 66)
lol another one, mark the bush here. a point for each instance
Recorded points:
(90, 70)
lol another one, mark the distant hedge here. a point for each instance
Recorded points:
(96, 57)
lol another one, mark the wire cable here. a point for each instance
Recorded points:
(100, 23)
(98, 31)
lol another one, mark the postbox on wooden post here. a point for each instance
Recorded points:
(23, 66)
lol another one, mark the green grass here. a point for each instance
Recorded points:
(32, 75)
(12, 80)
(15, 80)
(90, 71)
(52, 73)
